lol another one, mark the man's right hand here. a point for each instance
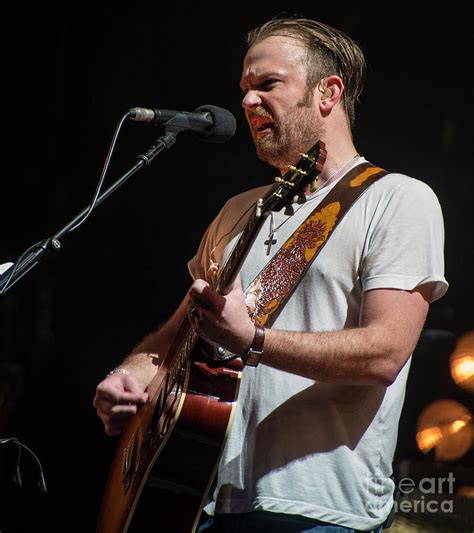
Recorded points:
(116, 400)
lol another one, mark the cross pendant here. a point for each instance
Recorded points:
(270, 242)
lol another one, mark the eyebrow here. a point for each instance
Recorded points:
(244, 82)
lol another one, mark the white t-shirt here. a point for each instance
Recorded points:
(306, 447)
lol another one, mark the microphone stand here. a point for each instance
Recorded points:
(29, 259)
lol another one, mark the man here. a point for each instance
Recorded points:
(312, 441)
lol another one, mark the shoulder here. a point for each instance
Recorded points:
(397, 188)
(226, 226)
(236, 209)
(398, 180)
(245, 199)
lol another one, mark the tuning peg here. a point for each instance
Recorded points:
(289, 211)
(297, 170)
(313, 186)
(284, 182)
(301, 198)
(308, 157)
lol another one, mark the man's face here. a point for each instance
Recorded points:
(278, 104)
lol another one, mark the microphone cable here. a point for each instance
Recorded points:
(104, 172)
(44, 244)
(17, 477)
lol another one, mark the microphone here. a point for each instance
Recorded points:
(210, 123)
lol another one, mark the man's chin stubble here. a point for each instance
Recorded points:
(275, 158)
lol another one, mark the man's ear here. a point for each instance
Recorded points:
(331, 89)
(326, 91)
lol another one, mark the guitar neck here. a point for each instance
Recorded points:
(280, 195)
(240, 250)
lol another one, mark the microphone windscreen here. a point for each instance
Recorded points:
(224, 124)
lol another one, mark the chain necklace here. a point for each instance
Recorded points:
(272, 234)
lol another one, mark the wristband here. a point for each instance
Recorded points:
(253, 355)
(117, 371)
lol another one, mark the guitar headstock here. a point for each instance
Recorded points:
(294, 182)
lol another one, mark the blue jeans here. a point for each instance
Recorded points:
(258, 521)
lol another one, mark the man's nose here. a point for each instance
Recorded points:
(251, 100)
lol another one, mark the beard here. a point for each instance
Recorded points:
(294, 132)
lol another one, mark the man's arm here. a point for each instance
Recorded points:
(118, 396)
(390, 324)
(147, 356)
(373, 354)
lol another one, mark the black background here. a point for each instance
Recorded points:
(69, 74)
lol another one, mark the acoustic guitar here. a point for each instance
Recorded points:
(167, 457)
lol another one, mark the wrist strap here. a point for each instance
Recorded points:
(253, 355)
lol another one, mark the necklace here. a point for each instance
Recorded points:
(272, 234)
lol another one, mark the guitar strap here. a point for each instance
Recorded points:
(276, 282)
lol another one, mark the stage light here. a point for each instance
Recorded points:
(447, 427)
(462, 362)
(466, 491)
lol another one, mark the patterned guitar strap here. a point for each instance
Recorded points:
(276, 282)
(273, 286)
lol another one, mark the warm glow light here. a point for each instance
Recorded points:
(462, 362)
(431, 437)
(446, 427)
(428, 438)
(457, 425)
(462, 368)
(466, 491)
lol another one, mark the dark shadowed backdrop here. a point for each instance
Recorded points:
(70, 73)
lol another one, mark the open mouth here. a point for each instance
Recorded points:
(263, 127)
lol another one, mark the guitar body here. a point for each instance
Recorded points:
(167, 456)
(165, 463)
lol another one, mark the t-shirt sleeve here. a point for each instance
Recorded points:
(226, 226)
(199, 265)
(208, 256)
(405, 243)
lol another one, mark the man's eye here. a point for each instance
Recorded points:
(269, 84)
(266, 85)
